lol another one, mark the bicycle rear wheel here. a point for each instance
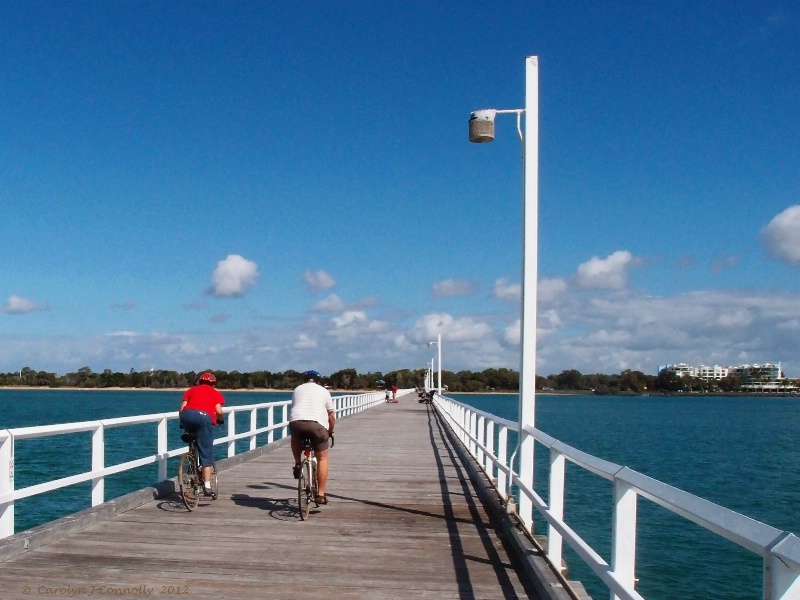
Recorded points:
(188, 480)
(304, 489)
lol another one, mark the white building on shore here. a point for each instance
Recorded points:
(766, 377)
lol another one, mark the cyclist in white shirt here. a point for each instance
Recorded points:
(312, 416)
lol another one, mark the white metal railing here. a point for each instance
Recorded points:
(779, 550)
(345, 406)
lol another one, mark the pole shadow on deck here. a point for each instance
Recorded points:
(435, 425)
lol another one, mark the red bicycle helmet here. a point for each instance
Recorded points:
(207, 378)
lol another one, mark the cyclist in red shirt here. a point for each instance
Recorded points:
(200, 410)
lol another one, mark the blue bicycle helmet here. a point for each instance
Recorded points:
(309, 375)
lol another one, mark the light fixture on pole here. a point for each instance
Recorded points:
(481, 130)
(438, 343)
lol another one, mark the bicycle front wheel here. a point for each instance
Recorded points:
(188, 479)
(314, 481)
(304, 489)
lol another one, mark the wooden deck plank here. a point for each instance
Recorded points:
(403, 521)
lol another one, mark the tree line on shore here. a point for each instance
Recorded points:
(488, 380)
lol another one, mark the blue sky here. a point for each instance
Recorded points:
(275, 185)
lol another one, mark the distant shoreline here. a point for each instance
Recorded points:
(262, 390)
(238, 391)
(341, 391)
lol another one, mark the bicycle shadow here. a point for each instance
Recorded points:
(174, 503)
(278, 508)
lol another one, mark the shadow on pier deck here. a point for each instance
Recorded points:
(404, 520)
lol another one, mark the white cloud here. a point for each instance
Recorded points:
(452, 329)
(17, 305)
(782, 235)
(608, 273)
(550, 290)
(330, 304)
(355, 324)
(233, 276)
(591, 333)
(348, 318)
(735, 318)
(304, 342)
(451, 287)
(628, 330)
(510, 292)
(318, 280)
(512, 334)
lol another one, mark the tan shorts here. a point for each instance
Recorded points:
(310, 429)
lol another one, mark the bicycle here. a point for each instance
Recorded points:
(307, 483)
(190, 476)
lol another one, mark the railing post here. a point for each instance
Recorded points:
(98, 462)
(161, 449)
(623, 535)
(231, 418)
(502, 456)
(6, 483)
(490, 448)
(556, 504)
(285, 421)
(526, 467)
(270, 423)
(253, 427)
(480, 428)
(473, 432)
(782, 570)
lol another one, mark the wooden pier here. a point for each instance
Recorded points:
(404, 520)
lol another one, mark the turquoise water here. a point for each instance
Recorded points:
(739, 452)
(43, 459)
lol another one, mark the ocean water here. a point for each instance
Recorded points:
(739, 452)
(742, 453)
(43, 459)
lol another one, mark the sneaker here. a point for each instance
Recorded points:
(296, 471)
(207, 492)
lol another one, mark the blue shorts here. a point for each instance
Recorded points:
(199, 423)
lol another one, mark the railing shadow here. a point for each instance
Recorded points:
(484, 528)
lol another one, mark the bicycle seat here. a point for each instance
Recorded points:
(306, 442)
(189, 437)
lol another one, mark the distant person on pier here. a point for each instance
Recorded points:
(394, 393)
(200, 410)
(314, 416)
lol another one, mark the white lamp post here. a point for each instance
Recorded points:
(481, 129)
(438, 343)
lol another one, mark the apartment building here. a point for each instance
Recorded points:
(757, 373)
